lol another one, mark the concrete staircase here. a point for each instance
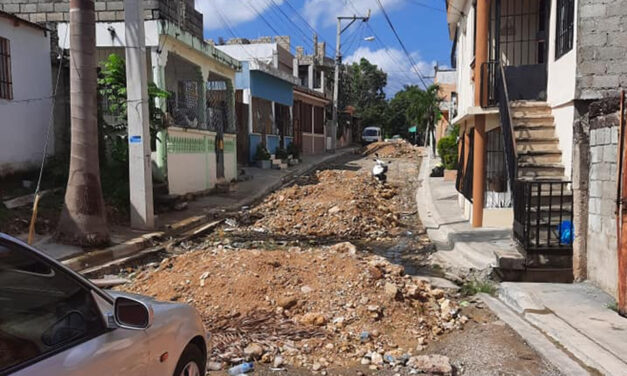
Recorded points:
(548, 204)
(539, 156)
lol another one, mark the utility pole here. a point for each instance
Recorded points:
(83, 219)
(338, 64)
(140, 169)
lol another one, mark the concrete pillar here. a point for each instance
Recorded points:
(248, 99)
(202, 102)
(478, 171)
(481, 56)
(158, 60)
(481, 50)
(140, 164)
(310, 76)
(323, 82)
(274, 127)
(581, 171)
(295, 67)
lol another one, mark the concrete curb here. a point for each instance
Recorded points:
(134, 246)
(536, 339)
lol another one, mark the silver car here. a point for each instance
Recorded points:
(55, 322)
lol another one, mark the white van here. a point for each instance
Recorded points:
(371, 134)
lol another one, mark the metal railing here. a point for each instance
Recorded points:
(489, 83)
(507, 126)
(543, 215)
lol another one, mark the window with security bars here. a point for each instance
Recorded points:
(6, 85)
(565, 27)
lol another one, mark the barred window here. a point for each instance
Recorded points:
(6, 85)
(564, 32)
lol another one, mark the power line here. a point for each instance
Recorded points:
(411, 60)
(420, 4)
(307, 23)
(385, 48)
(307, 38)
(251, 6)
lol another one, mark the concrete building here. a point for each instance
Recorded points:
(537, 153)
(446, 79)
(25, 93)
(267, 92)
(199, 147)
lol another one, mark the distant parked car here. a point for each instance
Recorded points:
(397, 137)
(54, 322)
(371, 134)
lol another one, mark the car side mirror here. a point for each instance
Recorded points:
(132, 314)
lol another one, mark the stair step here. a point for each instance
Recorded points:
(536, 145)
(540, 170)
(528, 104)
(535, 132)
(526, 120)
(541, 157)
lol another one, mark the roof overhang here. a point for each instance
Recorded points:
(310, 96)
(255, 65)
(453, 15)
(18, 20)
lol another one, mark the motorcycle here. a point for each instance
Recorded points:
(379, 169)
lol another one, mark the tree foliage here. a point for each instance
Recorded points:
(362, 87)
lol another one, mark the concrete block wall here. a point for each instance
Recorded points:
(602, 265)
(601, 48)
(181, 12)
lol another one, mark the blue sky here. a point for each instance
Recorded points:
(422, 29)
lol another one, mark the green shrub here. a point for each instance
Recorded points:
(262, 153)
(292, 149)
(281, 153)
(447, 148)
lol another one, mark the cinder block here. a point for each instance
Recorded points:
(594, 223)
(592, 10)
(610, 151)
(596, 188)
(594, 206)
(596, 154)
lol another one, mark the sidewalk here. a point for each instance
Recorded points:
(571, 325)
(126, 241)
(459, 245)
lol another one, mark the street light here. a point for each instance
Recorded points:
(338, 63)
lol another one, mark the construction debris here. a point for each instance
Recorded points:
(316, 308)
(394, 149)
(336, 203)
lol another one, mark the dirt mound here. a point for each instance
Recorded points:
(394, 149)
(333, 306)
(338, 204)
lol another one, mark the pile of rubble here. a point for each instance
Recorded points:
(394, 149)
(339, 204)
(318, 308)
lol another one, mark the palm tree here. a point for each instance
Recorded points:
(425, 110)
(83, 219)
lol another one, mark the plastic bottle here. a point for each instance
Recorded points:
(242, 368)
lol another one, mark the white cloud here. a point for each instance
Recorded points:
(398, 68)
(325, 12)
(233, 11)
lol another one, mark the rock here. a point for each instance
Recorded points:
(431, 364)
(365, 361)
(317, 319)
(391, 290)
(334, 210)
(254, 351)
(287, 302)
(344, 247)
(373, 308)
(376, 358)
(214, 366)
(437, 293)
(306, 289)
(316, 366)
(278, 361)
(375, 273)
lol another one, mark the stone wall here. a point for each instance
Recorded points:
(602, 261)
(601, 48)
(181, 12)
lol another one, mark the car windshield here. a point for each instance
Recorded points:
(370, 132)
